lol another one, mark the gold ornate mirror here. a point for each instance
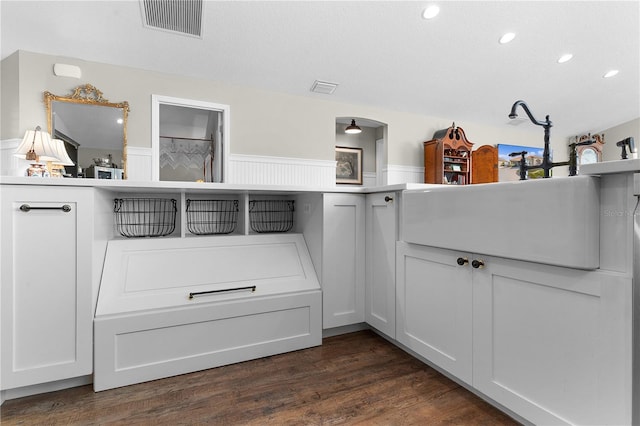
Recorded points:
(94, 131)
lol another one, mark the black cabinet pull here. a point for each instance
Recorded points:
(462, 261)
(387, 198)
(26, 208)
(202, 293)
(477, 263)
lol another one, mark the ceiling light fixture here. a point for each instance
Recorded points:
(506, 38)
(565, 58)
(352, 129)
(610, 73)
(431, 12)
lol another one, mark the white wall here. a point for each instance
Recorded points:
(610, 151)
(256, 115)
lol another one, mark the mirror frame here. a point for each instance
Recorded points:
(89, 95)
(596, 146)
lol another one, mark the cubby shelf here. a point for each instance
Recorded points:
(280, 209)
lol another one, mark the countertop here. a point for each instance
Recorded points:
(165, 186)
(611, 167)
(596, 169)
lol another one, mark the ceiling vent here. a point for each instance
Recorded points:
(324, 87)
(177, 16)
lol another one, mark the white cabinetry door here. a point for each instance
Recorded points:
(434, 306)
(46, 284)
(380, 287)
(553, 344)
(343, 256)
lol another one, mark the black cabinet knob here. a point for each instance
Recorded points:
(462, 261)
(387, 198)
(477, 263)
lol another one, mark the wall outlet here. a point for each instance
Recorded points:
(306, 208)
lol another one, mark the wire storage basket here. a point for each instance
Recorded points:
(271, 215)
(145, 217)
(206, 217)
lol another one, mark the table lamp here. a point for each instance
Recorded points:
(36, 146)
(57, 166)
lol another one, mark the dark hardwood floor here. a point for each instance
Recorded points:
(356, 378)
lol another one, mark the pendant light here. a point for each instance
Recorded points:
(353, 129)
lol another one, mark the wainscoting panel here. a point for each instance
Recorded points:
(243, 169)
(403, 174)
(263, 170)
(369, 179)
(10, 165)
(139, 163)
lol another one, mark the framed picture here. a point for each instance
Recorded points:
(509, 167)
(348, 165)
(456, 167)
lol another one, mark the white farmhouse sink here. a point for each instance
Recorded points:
(553, 221)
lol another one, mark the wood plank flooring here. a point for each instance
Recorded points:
(356, 379)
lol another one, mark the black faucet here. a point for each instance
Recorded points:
(523, 164)
(546, 165)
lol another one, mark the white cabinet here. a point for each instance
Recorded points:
(46, 291)
(551, 344)
(343, 259)
(434, 307)
(381, 237)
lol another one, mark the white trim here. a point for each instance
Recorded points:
(139, 163)
(9, 394)
(10, 165)
(380, 157)
(369, 179)
(156, 100)
(396, 174)
(266, 170)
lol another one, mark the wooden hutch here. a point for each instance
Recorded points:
(449, 159)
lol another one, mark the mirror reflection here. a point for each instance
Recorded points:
(190, 144)
(94, 132)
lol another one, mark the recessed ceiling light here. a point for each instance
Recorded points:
(431, 12)
(506, 38)
(610, 73)
(565, 58)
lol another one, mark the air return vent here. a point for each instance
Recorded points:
(179, 16)
(324, 87)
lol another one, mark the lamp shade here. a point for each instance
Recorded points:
(352, 128)
(36, 145)
(61, 153)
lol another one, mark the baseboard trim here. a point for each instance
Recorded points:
(344, 329)
(15, 393)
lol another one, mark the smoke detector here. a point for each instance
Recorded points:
(176, 16)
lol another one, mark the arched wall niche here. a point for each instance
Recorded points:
(373, 142)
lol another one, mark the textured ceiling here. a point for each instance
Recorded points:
(381, 53)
